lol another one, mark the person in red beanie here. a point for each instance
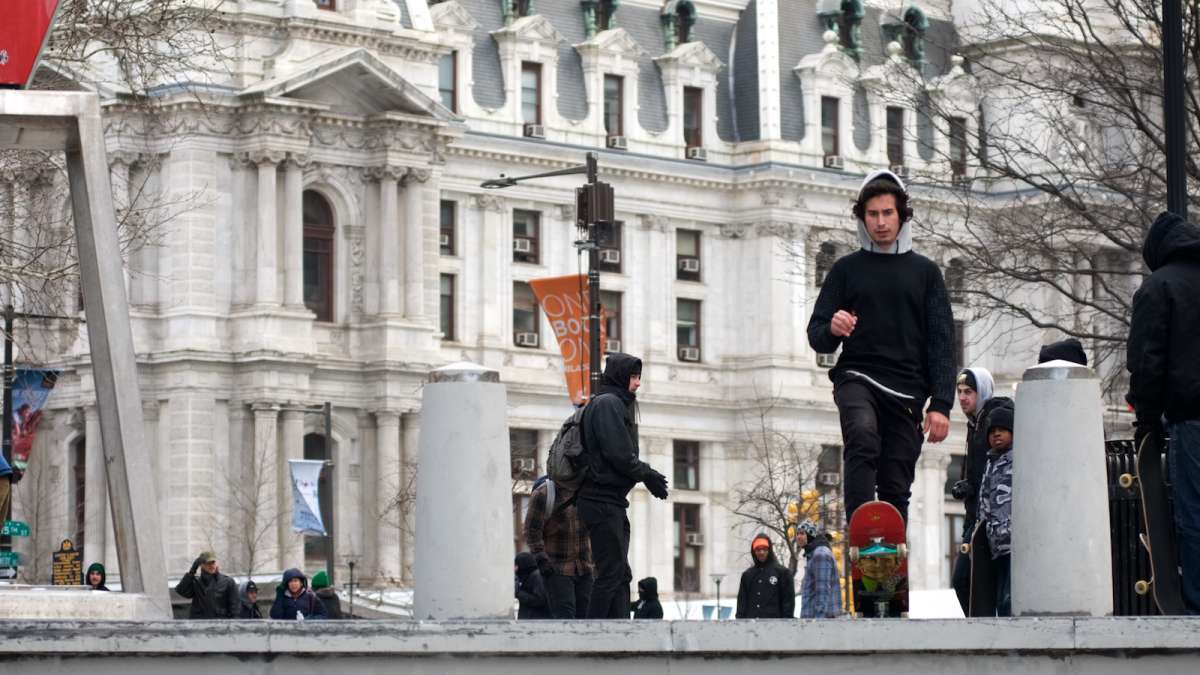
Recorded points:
(767, 590)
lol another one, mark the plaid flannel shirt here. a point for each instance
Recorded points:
(820, 593)
(562, 536)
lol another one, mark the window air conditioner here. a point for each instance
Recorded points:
(900, 170)
(444, 240)
(610, 256)
(827, 479)
(834, 162)
(689, 264)
(612, 345)
(535, 131)
(526, 339)
(617, 142)
(522, 245)
(689, 353)
(697, 153)
(826, 360)
(694, 539)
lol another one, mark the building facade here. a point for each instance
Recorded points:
(336, 245)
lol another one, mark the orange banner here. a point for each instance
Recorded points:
(565, 302)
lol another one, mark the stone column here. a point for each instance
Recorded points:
(410, 440)
(267, 244)
(1061, 557)
(291, 544)
(389, 252)
(414, 243)
(95, 524)
(388, 480)
(265, 509)
(495, 263)
(927, 519)
(658, 337)
(119, 164)
(293, 231)
(463, 442)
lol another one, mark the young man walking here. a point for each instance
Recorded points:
(887, 308)
(610, 439)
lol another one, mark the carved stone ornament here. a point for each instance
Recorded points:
(734, 230)
(490, 203)
(416, 175)
(261, 157)
(655, 222)
(387, 171)
(783, 230)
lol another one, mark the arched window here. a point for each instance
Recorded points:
(678, 17)
(826, 254)
(316, 549)
(318, 255)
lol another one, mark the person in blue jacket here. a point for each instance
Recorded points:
(294, 601)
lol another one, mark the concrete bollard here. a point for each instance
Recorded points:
(1061, 554)
(463, 567)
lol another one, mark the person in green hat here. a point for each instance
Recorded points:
(328, 596)
(95, 577)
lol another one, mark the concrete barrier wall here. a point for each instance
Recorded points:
(1046, 645)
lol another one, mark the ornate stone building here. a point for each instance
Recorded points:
(337, 245)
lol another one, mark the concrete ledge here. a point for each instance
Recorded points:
(1052, 638)
(50, 604)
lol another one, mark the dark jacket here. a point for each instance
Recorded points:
(767, 590)
(333, 604)
(103, 576)
(1163, 349)
(305, 602)
(213, 596)
(904, 338)
(610, 436)
(648, 606)
(247, 609)
(976, 459)
(1069, 349)
(530, 589)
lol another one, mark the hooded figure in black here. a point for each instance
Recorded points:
(249, 596)
(767, 590)
(530, 589)
(610, 441)
(648, 606)
(1164, 373)
(92, 581)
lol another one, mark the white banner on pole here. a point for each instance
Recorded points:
(306, 504)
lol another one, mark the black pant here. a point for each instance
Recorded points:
(1003, 567)
(961, 580)
(608, 531)
(569, 595)
(882, 438)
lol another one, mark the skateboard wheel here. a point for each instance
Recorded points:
(1141, 587)
(853, 554)
(964, 548)
(902, 550)
(1125, 480)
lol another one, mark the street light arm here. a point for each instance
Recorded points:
(509, 181)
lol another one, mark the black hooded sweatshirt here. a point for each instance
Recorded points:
(97, 567)
(610, 436)
(767, 590)
(1163, 355)
(648, 606)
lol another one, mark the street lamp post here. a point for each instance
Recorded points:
(593, 212)
(1173, 107)
(717, 577)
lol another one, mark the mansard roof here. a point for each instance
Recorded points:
(353, 82)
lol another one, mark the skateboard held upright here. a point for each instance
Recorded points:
(879, 557)
(1164, 584)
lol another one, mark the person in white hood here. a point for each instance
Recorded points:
(887, 308)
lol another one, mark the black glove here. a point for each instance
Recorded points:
(656, 483)
(961, 490)
(16, 476)
(1144, 429)
(544, 565)
(196, 564)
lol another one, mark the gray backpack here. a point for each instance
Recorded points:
(566, 465)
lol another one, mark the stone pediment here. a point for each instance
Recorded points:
(831, 62)
(353, 83)
(894, 74)
(614, 41)
(957, 85)
(451, 16)
(692, 55)
(536, 28)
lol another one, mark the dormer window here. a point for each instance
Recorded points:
(830, 136)
(895, 136)
(678, 17)
(531, 93)
(693, 117)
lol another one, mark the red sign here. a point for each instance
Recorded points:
(565, 302)
(24, 27)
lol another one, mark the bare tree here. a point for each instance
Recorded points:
(250, 513)
(782, 471)
(39, 502)
(1054, 180)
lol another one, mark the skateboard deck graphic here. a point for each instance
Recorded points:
(983, 575)
(879, 555)
(1159, 538)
